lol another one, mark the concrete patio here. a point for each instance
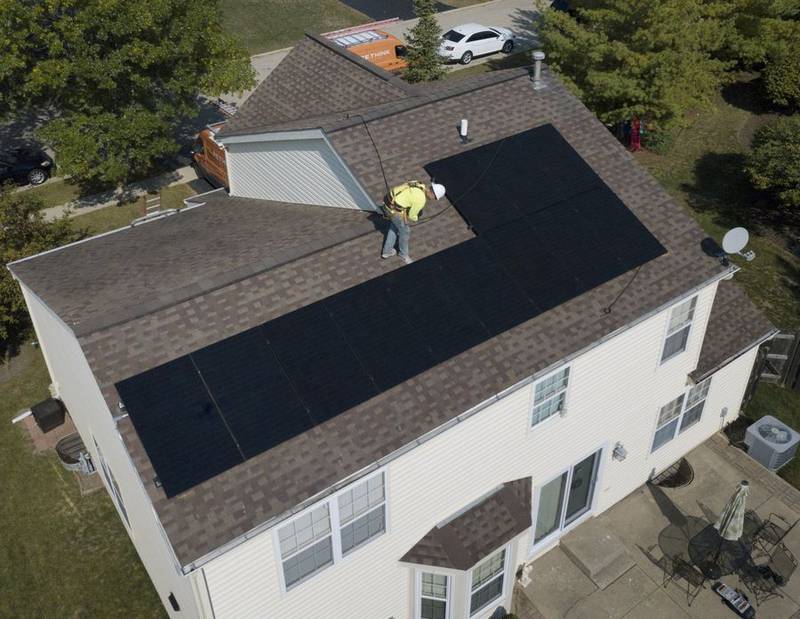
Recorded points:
(580, 579)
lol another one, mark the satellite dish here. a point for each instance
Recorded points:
(734, 242)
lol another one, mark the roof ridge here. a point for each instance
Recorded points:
(383, 110)
(377, 71)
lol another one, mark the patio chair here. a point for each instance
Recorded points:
(694, 578)
(782, 563)
(773, 531)
(752, 525)
(760, 582)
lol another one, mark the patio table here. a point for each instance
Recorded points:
(674, 539)
(716, 556)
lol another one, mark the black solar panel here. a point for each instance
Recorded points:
(181, 429)
(548, 230)
(327, 375)
(248, 384)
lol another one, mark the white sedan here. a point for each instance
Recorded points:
(463, 43)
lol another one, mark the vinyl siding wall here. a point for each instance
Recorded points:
(305, 171)
(77, 388)
(615, 393)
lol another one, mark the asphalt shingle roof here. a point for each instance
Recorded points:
(469, 537)
(268, 486)
(316, 78)
(144, 268)
(733, 326)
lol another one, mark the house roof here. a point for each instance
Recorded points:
(471, 535)
(139, 270)
(734, 325)
(316, 78)
(265, 488)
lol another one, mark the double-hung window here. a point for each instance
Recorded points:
(433, 596)
(550, 395)
(695, 402)
(322, 535)
(487, 582)
(680, 324)
(362, 513)
(681, 413)
(306, 545)
(112, 483)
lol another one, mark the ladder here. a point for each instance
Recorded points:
(152, 204)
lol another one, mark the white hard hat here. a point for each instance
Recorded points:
(438, 190)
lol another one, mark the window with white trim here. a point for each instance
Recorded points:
(550, 395)
(433, 596)
(680, 324)
(112, 484)
(306, 545)
(362, 513)
(695, 403)
(487, 582)
(680, 414)
(321, 536)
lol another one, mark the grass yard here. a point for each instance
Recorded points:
(55, 193)
(266, 25)
(61, 555)
(500, 61)
(785, 405)
(113, 217)
(703, 170)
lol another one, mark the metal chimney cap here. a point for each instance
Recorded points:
(538, 55)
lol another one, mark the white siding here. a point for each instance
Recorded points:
(77, 388)
(615, 392)
(305, 171)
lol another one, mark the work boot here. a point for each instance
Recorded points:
(406, 259)
(389, 255)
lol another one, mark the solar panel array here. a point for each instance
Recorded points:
(548, 230)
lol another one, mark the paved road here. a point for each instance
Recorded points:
(518, 15)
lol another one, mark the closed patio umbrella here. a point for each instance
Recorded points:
(730, 523)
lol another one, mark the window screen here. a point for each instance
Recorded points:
(487, 582)
(433, 596)
(680, 324)
(549, 395)
(362, 513)
(306, 545)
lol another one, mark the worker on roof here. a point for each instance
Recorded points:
(403, 204)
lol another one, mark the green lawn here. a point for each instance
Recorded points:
(785, 405)
(265, 25)
(500, 61)
(704, 170)
(113, 217)
(55, 193)
(61, 554)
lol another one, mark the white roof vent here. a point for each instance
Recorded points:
(771, 442)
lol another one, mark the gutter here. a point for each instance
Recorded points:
(276, 520)
(697, 378)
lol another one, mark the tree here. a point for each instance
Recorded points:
(781, 72)
(23, 232)
(649, 58)
(118, 75)
(765, 35)
(422, 56)
(774, 163)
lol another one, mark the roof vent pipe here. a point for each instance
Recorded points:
(537, 56)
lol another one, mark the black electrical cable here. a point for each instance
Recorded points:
(375, 147)
(469, 189)
(610, 306)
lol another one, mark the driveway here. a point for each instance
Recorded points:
(518, 15)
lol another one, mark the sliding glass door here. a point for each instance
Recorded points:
(564, 499)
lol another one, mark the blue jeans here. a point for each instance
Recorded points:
(398, 232)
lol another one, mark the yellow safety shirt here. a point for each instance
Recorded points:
(410, 197)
